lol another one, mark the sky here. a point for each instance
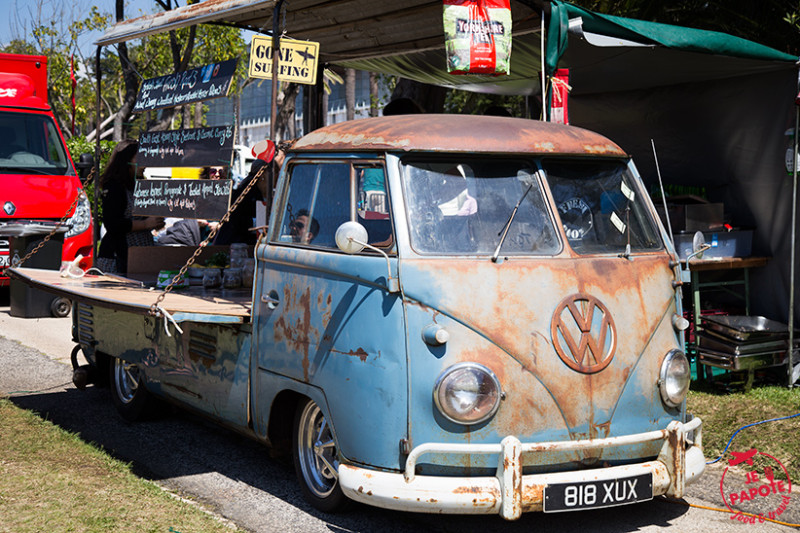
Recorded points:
(22, 14)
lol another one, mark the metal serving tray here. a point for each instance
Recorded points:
(741, 362)
(742, 328)
(713, 341)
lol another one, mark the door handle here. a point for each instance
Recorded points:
(271, 299)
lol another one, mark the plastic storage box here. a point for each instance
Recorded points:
(737, 243)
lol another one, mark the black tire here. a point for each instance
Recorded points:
(60, 307)
(128, 392)
(316, 460)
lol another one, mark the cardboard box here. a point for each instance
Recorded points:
(693, 217)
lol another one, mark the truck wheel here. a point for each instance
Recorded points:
(316, 459)
(127, 390)
(60, 307)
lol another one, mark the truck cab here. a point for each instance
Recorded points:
(39, 182)
(487, 308)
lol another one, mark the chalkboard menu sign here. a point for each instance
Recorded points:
(204, 83)
(184, 198)
(197, 147)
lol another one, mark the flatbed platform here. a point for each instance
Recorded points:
(193, 303)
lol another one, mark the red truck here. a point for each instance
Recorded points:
(38, 181)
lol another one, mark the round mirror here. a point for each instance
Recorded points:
(698, 244)
(350, 237)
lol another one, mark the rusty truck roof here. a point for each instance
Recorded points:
(457, 133)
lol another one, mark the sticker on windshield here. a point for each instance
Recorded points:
(618, 223)
(627, 191)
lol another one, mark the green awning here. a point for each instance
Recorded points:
(640, 31)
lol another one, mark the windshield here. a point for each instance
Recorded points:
(30, 144)
(601, 208)
(462, 206)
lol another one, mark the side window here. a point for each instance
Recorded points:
(373, 205)
(318, 202)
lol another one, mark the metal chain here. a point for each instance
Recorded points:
(49, 236)
(154, 311)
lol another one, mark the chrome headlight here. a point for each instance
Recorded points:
(81, 218)
(467, 393)
(674, 378)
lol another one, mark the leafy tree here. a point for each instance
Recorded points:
(54, 32)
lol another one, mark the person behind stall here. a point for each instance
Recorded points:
(237, 229)
(185, 231)
(212, 173)
(123, 230)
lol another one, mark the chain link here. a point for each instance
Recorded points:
(59, 225)
(154, 309)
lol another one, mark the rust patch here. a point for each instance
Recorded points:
(457, 133)
(467, 490)
(532, 497)
(360, 353)
(294, 327)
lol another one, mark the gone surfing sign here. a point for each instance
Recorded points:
(297, 61)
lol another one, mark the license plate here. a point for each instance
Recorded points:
(595, 494)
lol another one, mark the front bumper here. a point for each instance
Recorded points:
(511, 493)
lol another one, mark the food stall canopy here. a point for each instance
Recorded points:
(406, 38)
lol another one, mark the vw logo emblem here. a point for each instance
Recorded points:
(9, 208)
(583, 333)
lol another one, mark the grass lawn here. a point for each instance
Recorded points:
(50, 480)
(725, 412)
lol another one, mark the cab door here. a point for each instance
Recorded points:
(326, 325)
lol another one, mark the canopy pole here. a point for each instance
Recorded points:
(97, 132)
(276, 49)
(273, 127)
(790, 352)
(544, 80)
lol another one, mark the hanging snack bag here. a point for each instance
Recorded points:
(477, 36)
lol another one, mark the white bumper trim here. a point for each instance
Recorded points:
(510, 493)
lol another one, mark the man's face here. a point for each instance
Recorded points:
(300, 230)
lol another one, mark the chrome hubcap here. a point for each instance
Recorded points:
(317, 451)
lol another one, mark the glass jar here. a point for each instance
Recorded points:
(238, 254)
(212, 278)
(232, 278)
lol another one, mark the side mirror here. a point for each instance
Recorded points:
(351, 237)
(84, 165)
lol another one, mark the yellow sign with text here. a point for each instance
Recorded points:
(297, 61)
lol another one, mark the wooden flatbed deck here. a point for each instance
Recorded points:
(193, 303)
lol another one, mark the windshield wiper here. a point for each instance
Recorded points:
(26, 170)
(508, 223)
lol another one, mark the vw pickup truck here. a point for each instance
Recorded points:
(448, 314)
(38, 182)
